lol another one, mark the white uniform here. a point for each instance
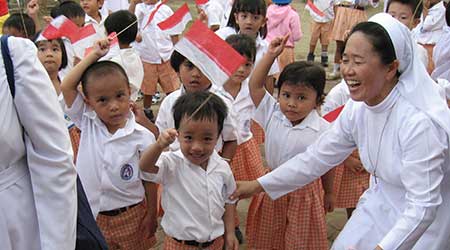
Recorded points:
(108, 164)
(37, 213)
(337, 97)
(429, 30)
(193, 199)
(441, 56)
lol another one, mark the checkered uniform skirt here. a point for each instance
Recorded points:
(122, 231)
(247, 164)
(295, 221)
(349, 186)
(345, 20)
(75, 133)
(258, 132)
(171, 244)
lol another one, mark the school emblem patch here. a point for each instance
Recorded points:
(126, 172)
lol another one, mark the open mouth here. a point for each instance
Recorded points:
(353, 84)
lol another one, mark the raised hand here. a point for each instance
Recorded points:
(167, 137)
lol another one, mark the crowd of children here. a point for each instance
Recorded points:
(206, 135)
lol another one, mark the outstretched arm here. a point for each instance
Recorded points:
(151, 155)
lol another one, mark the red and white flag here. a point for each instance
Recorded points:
(60, 27)
(85, 39)
(312, 7)
(208, 52)
(176, 23)
(333, 115)
(154, 11)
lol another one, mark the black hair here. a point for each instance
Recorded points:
(18, 20)
(244, 45)
(413, 5)
(120, 20)
(100, 69)
(176, 59)
(447, 14)
(256, 7)
(69, 9)
(201, 105)
(63, 50)
(309, 74)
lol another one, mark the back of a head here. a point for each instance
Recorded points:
(304, 73)
(68, 8)
(244, 45)
(415, 6)
(120, 20)
(100, 69)
(256, 7)
(17, 21)
(201, 105)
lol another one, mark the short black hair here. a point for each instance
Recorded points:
(256, 7)
(69, 9)
(120, 20)
(99, 69)
(309, 74)
(244, 45)
(63, 50)
(18, 20)
(413, 5)
(176, 59)
(201, 105)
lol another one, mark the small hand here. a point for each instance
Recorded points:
(148, 226)
(231, 242)
(354, 164)
(101, 47)
(33, 8)
(139, 114)
(138, 38)
(328, 202)
(202, 16)
(277, 45)
(246, 189)
(47, 20)
(167, 137)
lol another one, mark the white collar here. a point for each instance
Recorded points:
(214, 160)
(312, 120)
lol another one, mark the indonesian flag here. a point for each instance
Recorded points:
(311, 7)
(201, 3)
(153, 13)
(212, 55)
(177, 22)
(113, 46)
(85, 39)
(333, 115)
(60, 27)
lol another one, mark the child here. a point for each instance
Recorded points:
(110, 146)
(111, 6)
(128, 58)
(19, 25)
(429, 30)
(155, 50)
(196, 180)
(249, 17)
(213, 10)
(320, 29)
(296, 220)
(441, 53)
(282, 19)
(193, 80)
(93, 16)
(403, 10)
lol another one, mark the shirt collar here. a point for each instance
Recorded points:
(214, 160)
(88, 19)
(312, 120)
(129, 128)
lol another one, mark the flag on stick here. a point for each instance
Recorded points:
(176, 23)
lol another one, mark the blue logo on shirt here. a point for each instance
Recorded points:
(126, 172)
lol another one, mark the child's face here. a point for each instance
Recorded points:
(192, 78)
(91, 7)
(243, 72)
(79, 21)
(109, 97)
(402, 12)
(50, 55)
(249, 24)
(297, 101)
(198, 140)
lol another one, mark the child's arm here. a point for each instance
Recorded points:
(231, 242)
(149, 223)
(33, 12)
(257, 80)
(229, 149)
(69, 86)
(151, 155)
(329, 197)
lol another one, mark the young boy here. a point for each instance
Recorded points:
(193, 80)
(93, 16)
(155, 50)
(110, 145)
(196, 180)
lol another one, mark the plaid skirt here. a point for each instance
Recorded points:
(171, 244)
(75, 133)
(349, 186)
(258, 132)
(345, 20)
(247, 164)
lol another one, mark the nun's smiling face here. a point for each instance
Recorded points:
(368, 79)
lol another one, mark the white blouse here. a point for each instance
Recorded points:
(407, 207)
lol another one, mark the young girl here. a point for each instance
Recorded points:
(52, 54)
(296, 220)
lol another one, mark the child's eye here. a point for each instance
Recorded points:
(101, 99)
(41, 49)
(286, 95)
(188, 137)
(257, 17)
(302, 97)
(188, 65)
(120, 95)
(208, 139)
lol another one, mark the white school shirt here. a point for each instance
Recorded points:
(215, 12)
(70, 51)
(37, 214)
(326, 6)
(108, 164)
(441, 56)
(283, 141)
(429, 30)
(413, 183)
(244, 109)
(227, 6)
(131, 62)
(193, 199)
(114, 5)
(99, 26)
(337, 97)
(261, 48)
(164, 119)
(156, 46)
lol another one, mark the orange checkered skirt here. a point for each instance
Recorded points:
(295, 221)
(349, 186)
(75, 133)
(344, 21)
(258, 132)
(171, 244)
(247, 164)
(122, 231)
